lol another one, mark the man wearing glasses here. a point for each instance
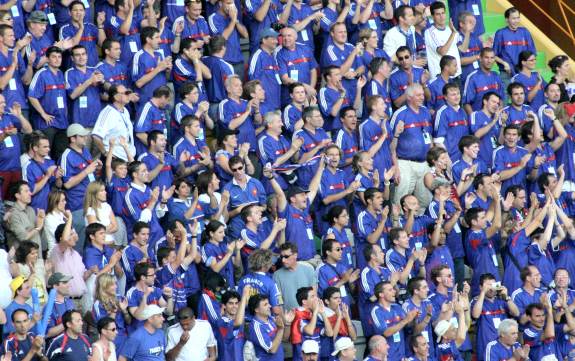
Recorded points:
(244, 190)
(114, 122)
(405, 74)
(293, 275)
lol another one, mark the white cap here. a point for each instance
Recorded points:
(342, 344)
(151, 310)
(441, 328)
(310, 346)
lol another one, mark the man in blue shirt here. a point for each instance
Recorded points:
(510, 160)
(114, 71)
(333, 97)
(518, 112)
(41, 172)
(148, 342)
(379, 84)
(83, 33)
(412, 138)
(487, 125)
(78, 169)
(152, 116)
(295, 208)
(506, 347)
(469, 43)
(450, 123)
(72, 345)
(21, 343)
(264, 67)
(390, 320)
(405, 75)
(195, 26)
(264, 332)
(434, 89)
(262, 14)
(124, 26)
(149, 67)
(82, 86)
(539, 334)
(482, 81)
(509, 41)
(375, 134)
(47, 95)
(220, 69)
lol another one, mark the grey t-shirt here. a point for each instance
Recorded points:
(290, 281)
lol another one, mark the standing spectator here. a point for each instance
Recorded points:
(149, 66)
(487, 125)
(380, 70)
(264, 67)
(441, 40)
(21, 291)
(221, 70)
(473, 8)
(24, 222)
(481, 82)
(225, 22)
(506, 346)
(450, 123)
(148, 341)
(114, 71)
(63, 306)
(403, 34)
(468, 43)
(332, 97)
(72, 344)
(97, 210)
(509, 42)
(218, 255)
(540, 332)
(265, 332)
(123, 25)
(451, 336)
(162, 165)
(510, 160)
(261, 14)
(82, 82)
(332, 273)
(190, 339)
(434, 90)
(47, 95)
(114, 123)
(404, 75)
(194, 24)
(530, 79)
(41, 173)
(78, 169)
(82, 32)
(561, 69)
(23, 344)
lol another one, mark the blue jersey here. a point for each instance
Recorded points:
(143, 63)
(18, 15)
(299, 230)
(396, 262)
(565, 256)
(184, 72)
(347, 142)
(435, 87)
(517, 116)
(74, 163)
(89, 99)
(99, 312)
(439, 256)
(369, 278)
(270, 149)
(517, 244)
(256, 27)
(40, 46)
(370, 131)
(481, 256)
(262, 333)
(89, 39)
(566, 151)
(346, 249)
(505, 158)
(149, 118)
(328, 275)
(366, 225)
(34, 173)
(427, 333)
(18, 348)
(399, 80)
(114, 74)
(454, 237)
(10, 148)
(327, 98)
(545, 122)
(231, 337)
(310, 140)
(331, 184)
(221, 70)
(477, 84)
(265, 68)
(382, 319)
(529, 83)
(196, 30)
(182, 109)
(136, 200)
(116, 191)
(415, 140)
(173, 9)
(298, 12)
(497, 351)
(130, 43)
(174, 279)
(253, 241)
(131, 255)
(15, 91)
(9, 310)
(145, 346)
(297, 64)
(209, 308)
(456, 7)
(184, 144)
(217, 24)
(473, 49)
(374, 87)
(448, 351)
(508, 44)
(58, 311)
(522, 298)
(212, 253)
(460, 165)
(541, 348)
(165, 178)
(134, 297)
(262, 284)
(97, 257)
(65, 348)
(542, 260)
(252, 193)
(334, 54)
(492, 313)
(450, 126)
(229, 109)
(367, 56)
(489, 141)
(49, 89)
(291, 115)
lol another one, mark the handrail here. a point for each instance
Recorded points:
(562, 6)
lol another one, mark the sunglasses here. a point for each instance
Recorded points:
(284, 256)
(237, 169)
(400, 58)
(112, 329)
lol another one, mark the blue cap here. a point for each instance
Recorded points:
(268, 32)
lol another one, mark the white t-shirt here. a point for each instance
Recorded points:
(435, 38)
(5, 279)
(112, 123)
(196, 349)
(204, 198)
(103, 216)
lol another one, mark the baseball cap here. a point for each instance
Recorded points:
(310, 346)
(38, 16)
(441, 328)
(439, 182)
(152, 310)
(223, 133)
(342, 344)
(292, 191)
(76, 129)
(57, 278)
(17, 283)
(269, 32)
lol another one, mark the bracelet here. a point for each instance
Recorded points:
(386, 183)
(100, 28)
